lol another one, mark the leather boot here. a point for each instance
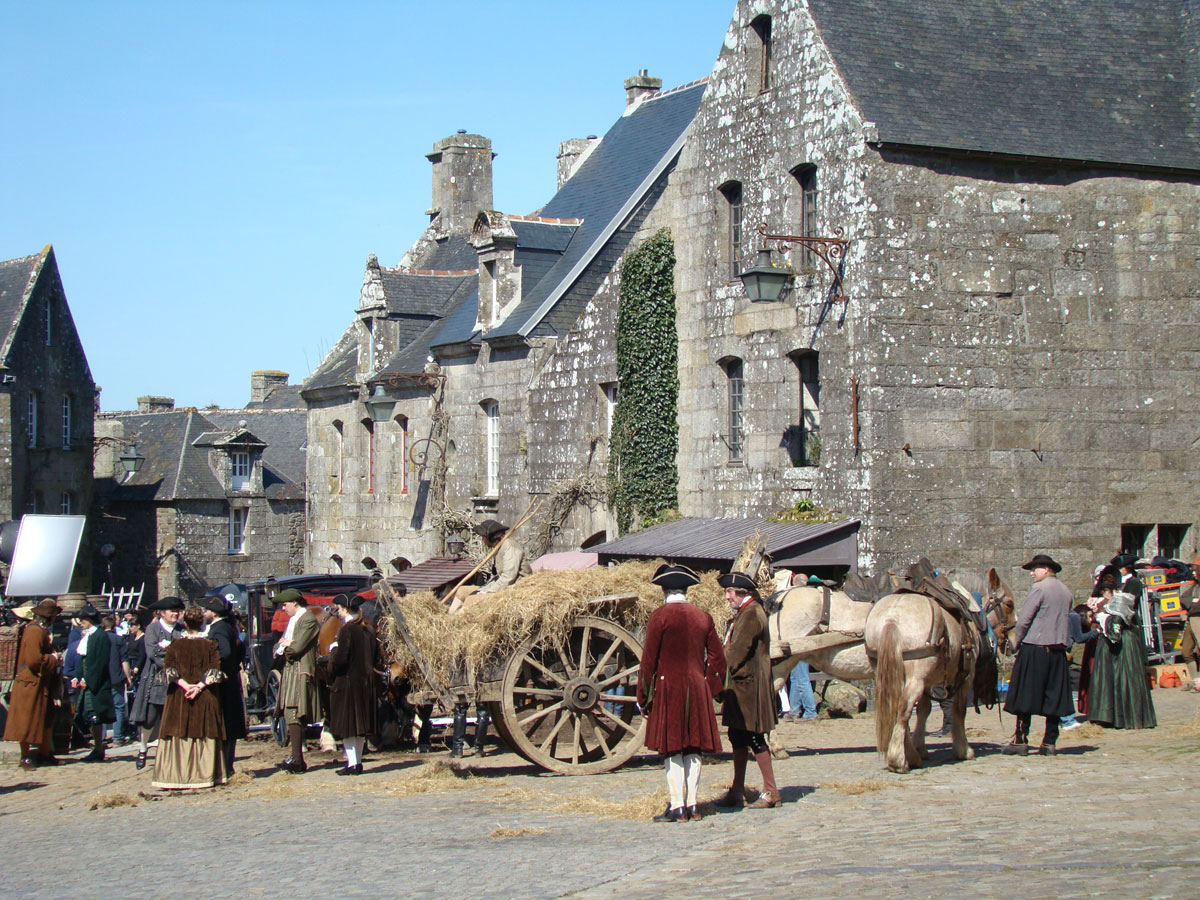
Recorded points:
(769, 798)
(735, 797)
(482, 720)
(460, 730)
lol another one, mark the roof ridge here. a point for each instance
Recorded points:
(455, 272)
(675, 90)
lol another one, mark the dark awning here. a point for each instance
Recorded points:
(716, 543)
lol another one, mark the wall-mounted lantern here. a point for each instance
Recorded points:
(764, 282)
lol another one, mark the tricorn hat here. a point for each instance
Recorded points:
(348, 601)
(291, 595)
(740, 581)
(47, 608)
(489, 528)
(218, 605)
(169, 603)
(674, 578)
(89, 612)
(1123, 561)
(1042, 561)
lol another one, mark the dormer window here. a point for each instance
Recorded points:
(240, 475)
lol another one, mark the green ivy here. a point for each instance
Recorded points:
(643, 481)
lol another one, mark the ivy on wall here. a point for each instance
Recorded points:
(642, 478)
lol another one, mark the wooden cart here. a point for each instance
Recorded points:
(568, 707)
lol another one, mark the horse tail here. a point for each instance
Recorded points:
(889, 684)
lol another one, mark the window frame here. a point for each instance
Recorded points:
(491, 412)
(761, 26)
(735, 406)
(369, 427)
(239, 520)
(33, 405)
(735, 211)
(66, 503)
(402, 424)
(67, 417)
(236, 458)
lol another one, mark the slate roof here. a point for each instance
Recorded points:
(17, 277)
(175, 445)
(1101, 81)
(286, 396)
(428, 295)
(450, 253)
(604, 192)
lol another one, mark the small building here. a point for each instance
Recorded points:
(47, 397)
(218, 498)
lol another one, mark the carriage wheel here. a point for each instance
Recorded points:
(571, 707)
(270, 695)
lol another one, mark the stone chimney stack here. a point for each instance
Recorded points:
(639, 87)
(571, 154)
(155, 404)
(265, 381)
(462, 180)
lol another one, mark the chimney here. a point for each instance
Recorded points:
(571, 154)
(155, 404)
(639, 87)
(265, 381)
(462, 180)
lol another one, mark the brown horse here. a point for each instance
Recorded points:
(917, 645)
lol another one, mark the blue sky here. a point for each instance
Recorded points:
(213, 175)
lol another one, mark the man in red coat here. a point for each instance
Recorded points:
(683, 666)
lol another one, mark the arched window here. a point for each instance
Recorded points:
(732, 192)
(804, 438)
(491, 411)
(339, 438)
(806, 190)
(66, 503)
(399, 563)
(759, 52)
(369, 564)
(369, 429)
(735, 431)
(336, 562)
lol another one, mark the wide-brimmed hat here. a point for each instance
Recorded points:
(739, 581)
(1042, 561)
(348, 601)
(489, 528)
(167, 603)
(291, 595)
(1123, 561)
(674, 578)
(47, 608)
(23, 612)
(218, 605)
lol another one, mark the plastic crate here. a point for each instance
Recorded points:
(1153, 577)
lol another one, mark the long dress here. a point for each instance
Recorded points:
(683, 666)
(191, 731)
(1118, 695)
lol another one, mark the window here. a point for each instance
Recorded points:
(1133, 538)
(369, 428)
(402, 424)
(493, 292)
(340, 440)
(66, 503)
(806, 181)
(1170, 540)
(33, 418)
(732, 192)
(735, 435)
(760, 54)
(804, 438)
(491, 410)
(66, 422)
(49, 322)
(370, 326)
(240, 480)
(237, 529)
(610, 405)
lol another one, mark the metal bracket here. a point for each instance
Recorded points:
(830, 250)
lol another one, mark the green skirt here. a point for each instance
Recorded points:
(1119, 696)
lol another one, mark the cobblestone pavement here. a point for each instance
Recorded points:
(1112, 815)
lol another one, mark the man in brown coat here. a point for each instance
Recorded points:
(299, 701)
(748, 709)
(31, 709)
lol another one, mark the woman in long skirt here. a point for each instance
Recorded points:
(189, 745)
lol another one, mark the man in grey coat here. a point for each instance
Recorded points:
(1040, 684)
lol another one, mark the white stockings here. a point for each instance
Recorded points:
(354, 748)
(683, 779)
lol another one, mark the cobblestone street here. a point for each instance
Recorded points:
(1111, 816)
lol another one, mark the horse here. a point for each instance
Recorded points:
(917, 644)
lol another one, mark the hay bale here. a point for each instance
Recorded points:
(463, 648)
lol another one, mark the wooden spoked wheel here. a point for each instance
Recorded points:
(571, 707)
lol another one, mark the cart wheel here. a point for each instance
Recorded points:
(271, 696)
(571, 708)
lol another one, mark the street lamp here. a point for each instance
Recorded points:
(455, 546)
(131, 460)
(764, 282)
(379, 406)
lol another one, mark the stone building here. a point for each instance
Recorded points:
(985, 350)
(219, 497)
(493, 337)
(1005, 365)
(47, 396)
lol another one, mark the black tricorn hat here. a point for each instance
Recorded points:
(349, 601)
(89, 612)
(489, 528)
(219, 605)
(169, 603)
(1124, 561)
(1042, 561)
(674, 578)
(740, 581)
